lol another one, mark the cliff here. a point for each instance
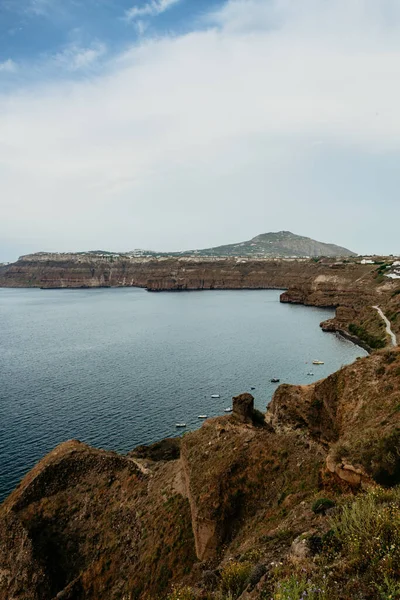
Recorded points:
(231, 508)
(186, 273)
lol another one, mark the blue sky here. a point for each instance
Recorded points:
(34, 30)
(172, 124)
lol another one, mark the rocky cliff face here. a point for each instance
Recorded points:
(90, 524)
(159, 274)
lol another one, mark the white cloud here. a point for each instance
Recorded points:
(74, 58)
(150, 9)
(141, 26)
(40, 7)
(215, 135)
(8, 66)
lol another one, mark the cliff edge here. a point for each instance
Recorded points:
(238, 495)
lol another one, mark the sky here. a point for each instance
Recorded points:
(179, 124)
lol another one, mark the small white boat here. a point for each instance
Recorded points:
(180, 425)
(310, 374)
(228, 409)
(318, 362)
(202, 417)
(215, 396)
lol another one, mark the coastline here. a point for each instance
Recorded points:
(351, 338)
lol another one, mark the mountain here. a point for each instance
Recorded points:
(280, 244)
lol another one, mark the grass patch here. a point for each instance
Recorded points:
(368, 531)
(297, 588)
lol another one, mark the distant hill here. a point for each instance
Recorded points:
(279, 244)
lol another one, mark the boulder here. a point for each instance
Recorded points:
(243, 407)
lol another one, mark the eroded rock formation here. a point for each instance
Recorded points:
(243, 408)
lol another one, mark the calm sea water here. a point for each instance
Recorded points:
(120, 367)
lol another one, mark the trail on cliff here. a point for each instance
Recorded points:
(388, 326)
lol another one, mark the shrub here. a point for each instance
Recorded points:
(370, 339)
(391, 357)
(322, 504)
(252, 555)
(181, 593)
(382, 268)
(209, 580)
(380, 456)
(368, 530)
(234, 578)
(389, 589)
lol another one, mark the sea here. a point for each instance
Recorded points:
(116, 368)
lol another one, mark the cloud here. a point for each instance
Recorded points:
(40, 7)
(74, 58)
(8, 66)
(260, 122)
(150, 9)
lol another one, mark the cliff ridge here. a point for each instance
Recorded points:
(241, 490)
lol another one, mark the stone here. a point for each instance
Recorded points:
(300, 548)
(243, 407)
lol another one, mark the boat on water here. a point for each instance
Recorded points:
(202, 417)
(228, 409)
(275, 380)
(310, 373)
(318, 362)
(215, 396)
(252, 388)
(180, 425)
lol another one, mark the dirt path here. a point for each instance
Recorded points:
(388, 327)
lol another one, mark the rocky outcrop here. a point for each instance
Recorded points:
(85, 523)
(349, 413)
(90, 524)
(354, 476)
(235, 471)
(243, 408)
